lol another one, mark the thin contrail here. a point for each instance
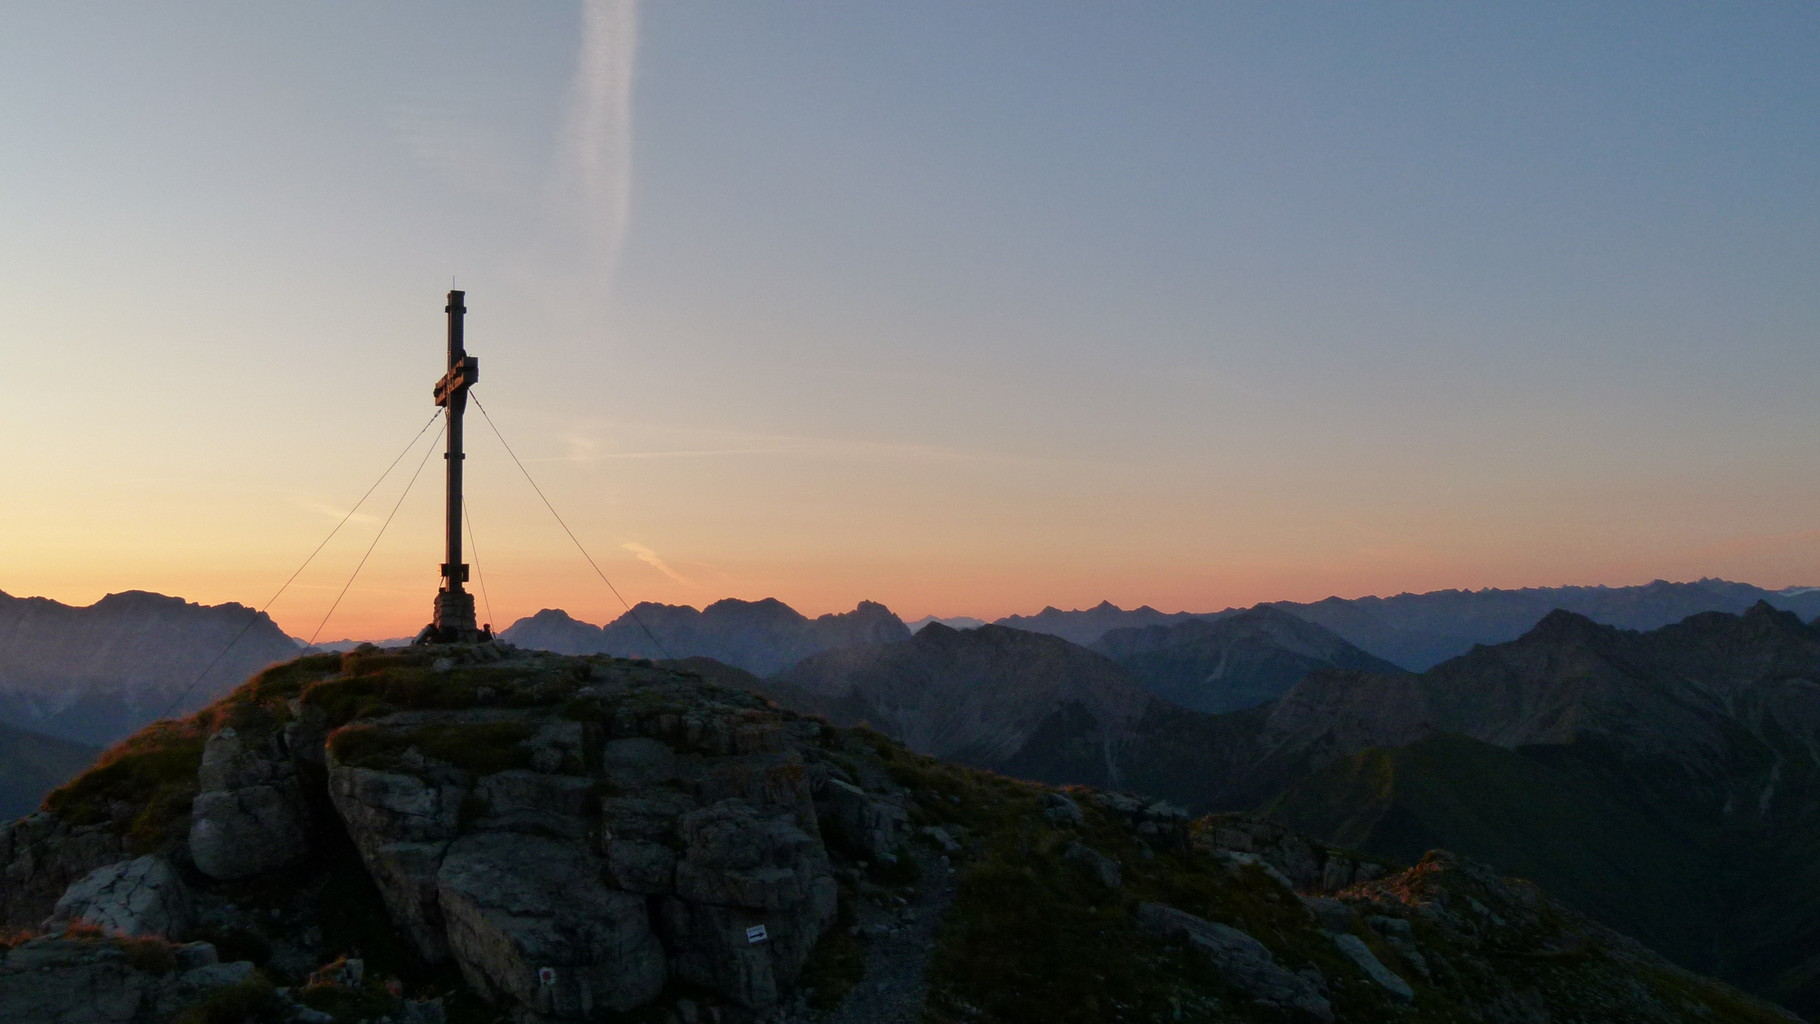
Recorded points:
(598, 126)
(649, 557)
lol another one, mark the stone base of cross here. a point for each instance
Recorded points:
(452, 621)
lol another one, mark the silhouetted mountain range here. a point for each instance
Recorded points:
(1234, 662)
(1417, 631)
(1086, 626)
(952, 622)
(758, 636)
(980, 696)
(94, 674)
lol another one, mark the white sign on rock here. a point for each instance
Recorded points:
(756, 933)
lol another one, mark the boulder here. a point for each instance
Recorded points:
(1062, 810)
(1361, 954)
(1303, 864)
(528, 918)
(249, 816)
(1243, 961)
(1104, 869)
(144, 896)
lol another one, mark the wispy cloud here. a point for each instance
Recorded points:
(596, 179)
(649, 557)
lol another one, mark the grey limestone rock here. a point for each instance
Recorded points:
(517, 905)
(870, 827)
(144, 896)
(1101, 867)
(394, 805)
(1361, 954)
(718, 948)
(70, 981)
(58, 979)
(637, 865)
(535, 802)
(401, 825)
(1243, 961)
(1330, 913)
(1062, 810)
(556, 746)
(249, 816)
(942, 838)
(650, 815)
(40, 856)
(736, 856)
(1303, 864)
(635, 762)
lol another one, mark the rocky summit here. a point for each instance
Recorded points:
(443, 835)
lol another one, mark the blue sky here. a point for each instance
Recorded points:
(967, 308)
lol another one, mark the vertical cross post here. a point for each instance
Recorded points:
(453, 621)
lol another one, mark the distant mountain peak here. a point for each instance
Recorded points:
(760, 636)
(1562, 625)
(553, 615)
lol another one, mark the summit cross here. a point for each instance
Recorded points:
(453, 619)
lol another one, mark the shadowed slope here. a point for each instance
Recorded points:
(1231, 663)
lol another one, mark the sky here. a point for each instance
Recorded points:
(965, 308)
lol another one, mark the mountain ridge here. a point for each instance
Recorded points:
(758, 636)
(94, 673)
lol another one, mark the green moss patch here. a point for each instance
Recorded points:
(479, 747)
(144, 784)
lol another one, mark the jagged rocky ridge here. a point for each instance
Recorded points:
(757, 636)
(1665, 781)
(558, 838)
